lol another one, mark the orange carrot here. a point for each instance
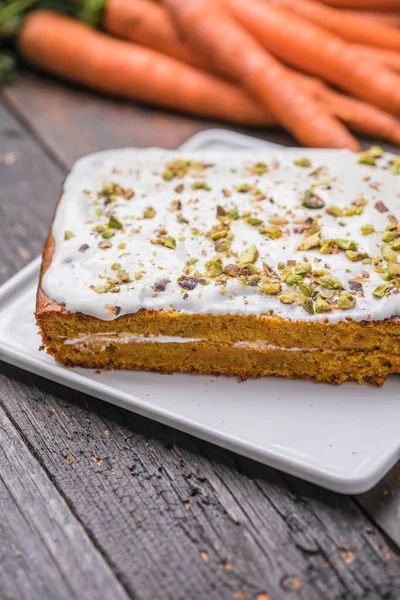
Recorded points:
(349, 27)
(387, 57)
(310, 48)
(210, 30)
(67, 48)
(148, 23)
(380, 5)
(389, 18)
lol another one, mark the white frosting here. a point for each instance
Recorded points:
(128, 338)
(73, 274)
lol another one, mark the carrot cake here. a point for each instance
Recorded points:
(248, 263)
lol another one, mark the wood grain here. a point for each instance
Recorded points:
(45, 552)
(72, 122)
(28, 187)
(173, 516)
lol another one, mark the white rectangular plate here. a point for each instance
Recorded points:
(344, 438)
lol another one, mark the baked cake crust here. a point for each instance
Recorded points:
(247, 345)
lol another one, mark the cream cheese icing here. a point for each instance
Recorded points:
(184, 210)
(129, 338)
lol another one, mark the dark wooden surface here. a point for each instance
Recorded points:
(97, 502)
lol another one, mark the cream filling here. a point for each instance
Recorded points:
(128, 338)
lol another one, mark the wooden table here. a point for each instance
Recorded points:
(99, 503)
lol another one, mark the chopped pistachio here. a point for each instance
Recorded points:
(366, 159)
(273, 233)
(243, 188)
(376, 151)
(312, 200)
(179, 188)
(116, 266)
(303, 162)
(293, 279)
(123, 276)
(149, 213)
(308, 305)
(179, 168)
(193, 261)
(248, 256)
(335, 211)
(68, 235)
(395, 165)
(281, 265)
(321, 305)
(214, 267)
(382, 290)
(395, 245)
(394, 269)
(305, 289)
(259, 168)
(388, 254)
(232, 270)
(233, 214)
(107, 234)
(287, 298)
(270, 287)
(98, 212)
(367, 229)
(311, 241)
(99, 228)
(200, 185)
(356, 256)
(332, 283)
(346, 300)
(346, 244)
(102, 289)
(302, 268)
(114, 223)
(223, 245)
(168, 242)
(254, 221)
(388, 236)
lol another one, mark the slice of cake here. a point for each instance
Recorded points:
(245, 263)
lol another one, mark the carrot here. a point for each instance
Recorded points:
(349, 27)
(387, 57)
(67, 48)
(392, 19)
(379, 5)
(210, 30)
(310, 48)
(147, 23)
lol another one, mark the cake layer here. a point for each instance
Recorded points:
(246, 263)
(242, 358)
(275, 331)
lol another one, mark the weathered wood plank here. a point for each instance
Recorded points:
(193, 518)
(97, 123)
(176, 517)
(45, 553)
(28, 190)
(383, 504)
